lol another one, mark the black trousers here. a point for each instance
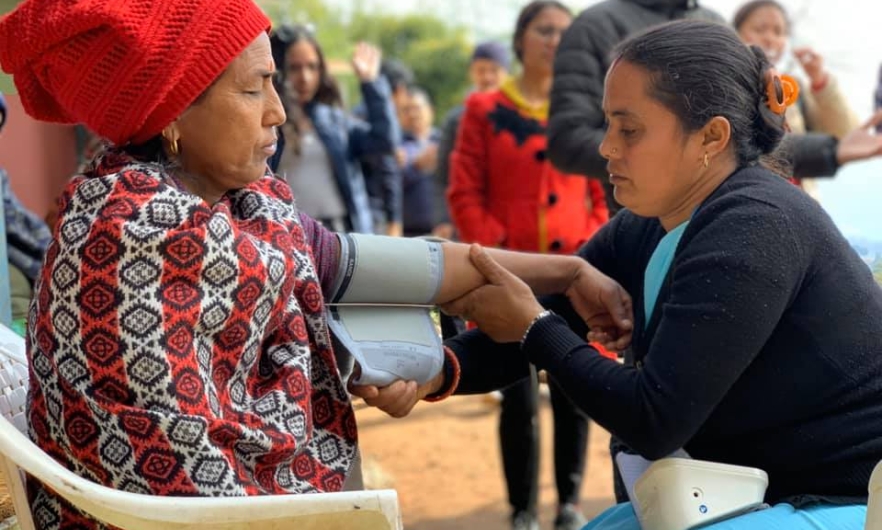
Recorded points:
(519, 440)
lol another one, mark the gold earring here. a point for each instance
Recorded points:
(173, 147)
(706, 161)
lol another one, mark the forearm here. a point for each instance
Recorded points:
(391, 188)
(486, 365)
(617, 397)
(381, 133)
(544, 273)
(811, 154)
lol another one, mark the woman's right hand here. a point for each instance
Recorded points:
(366, 62)
(861, 143)
(813, 65)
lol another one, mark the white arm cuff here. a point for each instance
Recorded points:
(387, 270)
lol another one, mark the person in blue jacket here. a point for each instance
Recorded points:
(321, 146)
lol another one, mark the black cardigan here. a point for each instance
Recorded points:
(765, 348)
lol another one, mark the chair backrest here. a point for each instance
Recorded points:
(13, 399)
(368, 510)
(874, 504)
(5, 290)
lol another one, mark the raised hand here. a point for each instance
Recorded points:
(366, 61)
(812, 63)
(861, 143)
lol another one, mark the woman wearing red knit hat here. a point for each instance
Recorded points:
(177, 342)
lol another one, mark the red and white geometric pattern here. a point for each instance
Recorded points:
(178, 348)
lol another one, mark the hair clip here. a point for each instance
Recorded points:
(781, 91)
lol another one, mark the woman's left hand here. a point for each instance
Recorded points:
(399, 398)
(366, 62)
(503, 308)
(861, 143)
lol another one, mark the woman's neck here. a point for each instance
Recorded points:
(535, 87)
(194, 185)
(696, 195)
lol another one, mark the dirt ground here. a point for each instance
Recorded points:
(444, 462)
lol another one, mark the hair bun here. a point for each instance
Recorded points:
(768, 128)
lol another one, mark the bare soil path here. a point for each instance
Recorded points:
(444, 461)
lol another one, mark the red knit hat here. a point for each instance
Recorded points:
(124, 68)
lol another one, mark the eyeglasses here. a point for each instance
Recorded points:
(549, 32)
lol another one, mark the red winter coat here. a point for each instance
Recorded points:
(503, 191)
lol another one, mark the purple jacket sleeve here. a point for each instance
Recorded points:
(325, 249)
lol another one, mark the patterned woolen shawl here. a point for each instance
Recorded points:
(178, 348)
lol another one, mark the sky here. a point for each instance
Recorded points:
(846, 32)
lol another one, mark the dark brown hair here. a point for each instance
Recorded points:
(527, 14)
(747, 9)
(282, 40)
(699, 70)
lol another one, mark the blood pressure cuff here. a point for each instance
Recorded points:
(387, 270)
(380, 308)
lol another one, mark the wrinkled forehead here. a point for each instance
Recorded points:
(255, 60)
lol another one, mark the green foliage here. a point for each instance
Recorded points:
(331, 30)
(877, 270)
(440, 66)
(6, 85)
(437, 53)
(396, 35)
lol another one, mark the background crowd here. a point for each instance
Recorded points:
(403, 126)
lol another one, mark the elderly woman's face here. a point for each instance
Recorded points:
(650, 161)
(226, 137)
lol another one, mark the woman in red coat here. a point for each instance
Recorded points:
(504, 192)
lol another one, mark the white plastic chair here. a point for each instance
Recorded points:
(368, 510)
(874, 504)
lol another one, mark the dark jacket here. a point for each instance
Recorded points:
(764, 348)
(576, 120)
(419, 187)
(27, 236)
(449, 130)
(877, 96)
(348, 141)
(383, 179)
(576, 127)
